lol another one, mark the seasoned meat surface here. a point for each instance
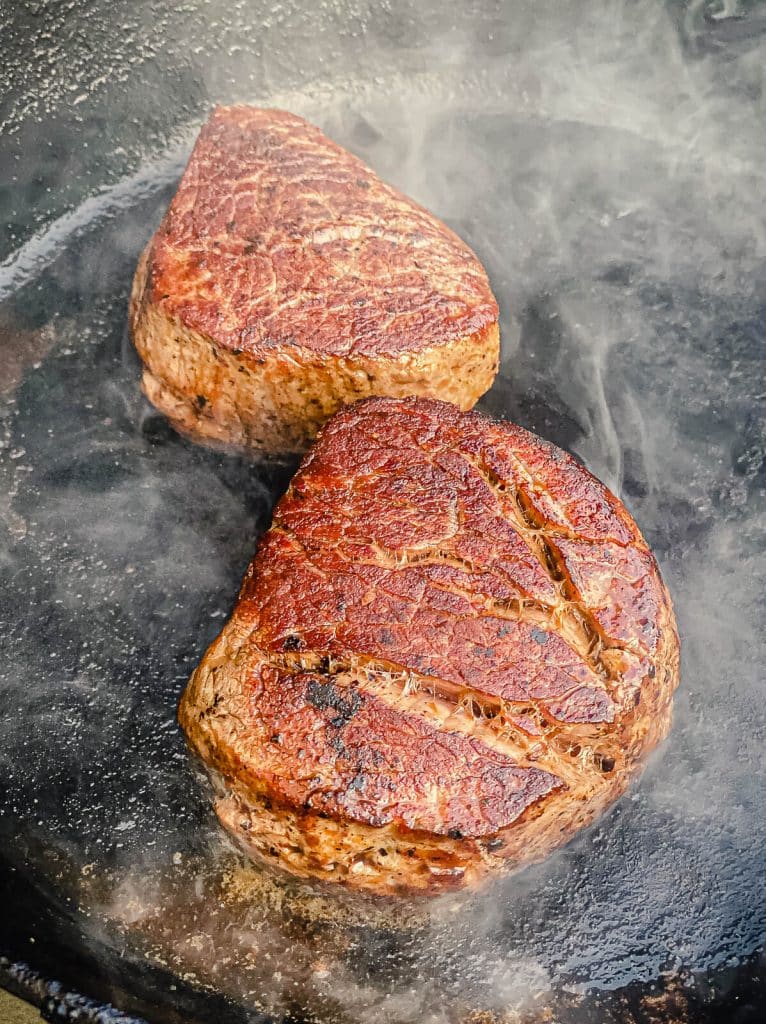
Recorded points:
(452, 650)
(287, 279)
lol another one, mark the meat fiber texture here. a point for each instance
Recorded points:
(287, 280)
(452, 650)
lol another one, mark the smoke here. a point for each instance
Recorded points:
(606, 161)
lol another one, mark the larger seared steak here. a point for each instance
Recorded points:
(451, 652)
(287, 279)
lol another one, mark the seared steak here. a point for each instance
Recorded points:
(451, 651)
(286, 280)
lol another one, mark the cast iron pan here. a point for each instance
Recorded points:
(608, 162)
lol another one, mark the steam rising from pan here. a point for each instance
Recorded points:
(611, 178)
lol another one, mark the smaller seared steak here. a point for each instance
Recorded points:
(287, 279)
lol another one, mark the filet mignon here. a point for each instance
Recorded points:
(451, 652)
(287, 279)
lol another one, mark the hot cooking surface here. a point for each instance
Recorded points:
(628, 254)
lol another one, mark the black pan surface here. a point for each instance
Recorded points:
(608, 164)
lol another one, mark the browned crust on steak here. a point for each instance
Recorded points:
(452, 650)
(287, 280)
